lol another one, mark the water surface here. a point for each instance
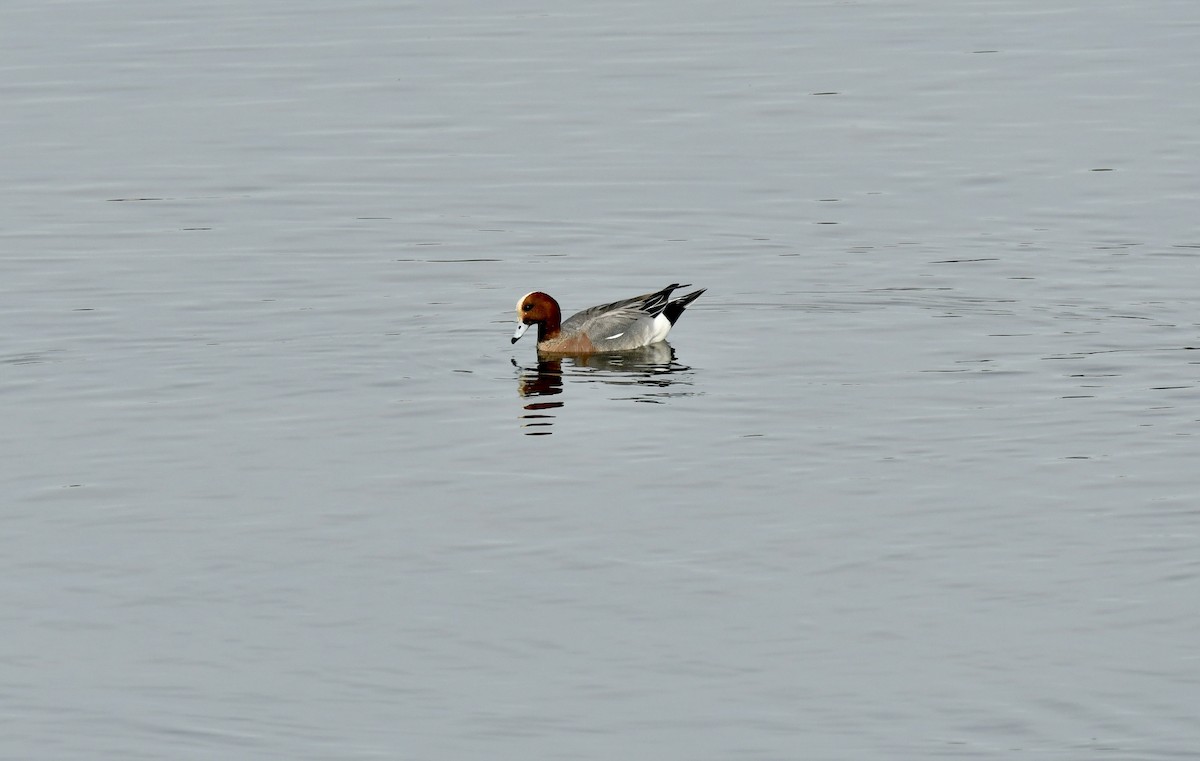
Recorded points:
(915, 478)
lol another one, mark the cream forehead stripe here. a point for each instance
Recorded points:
(522, 300)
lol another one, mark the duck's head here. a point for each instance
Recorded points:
(536, 308)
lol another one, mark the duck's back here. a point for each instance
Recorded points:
(619, 326)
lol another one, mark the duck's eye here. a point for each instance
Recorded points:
(527, 307)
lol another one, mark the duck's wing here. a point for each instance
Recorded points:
(624, 324)
(623, 311)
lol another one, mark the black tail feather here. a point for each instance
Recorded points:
(657, 301)
(676, 307)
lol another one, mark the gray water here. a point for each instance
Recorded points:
(916, 477)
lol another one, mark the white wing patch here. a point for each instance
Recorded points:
(615, 335)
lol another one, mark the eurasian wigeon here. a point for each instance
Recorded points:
(620, 326)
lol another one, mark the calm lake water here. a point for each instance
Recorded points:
(916, 477)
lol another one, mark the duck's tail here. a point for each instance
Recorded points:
(676, 307)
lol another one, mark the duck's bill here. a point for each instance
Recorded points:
(521, 328)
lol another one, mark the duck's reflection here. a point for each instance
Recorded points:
(647, 371)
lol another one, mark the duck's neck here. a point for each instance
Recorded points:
(551, 326)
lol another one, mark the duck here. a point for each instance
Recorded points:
(623, 325)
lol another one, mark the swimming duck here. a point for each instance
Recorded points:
(620, 326)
